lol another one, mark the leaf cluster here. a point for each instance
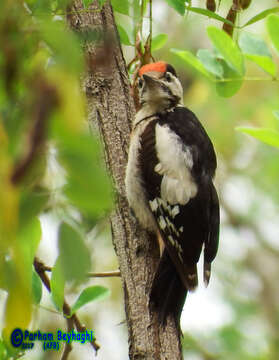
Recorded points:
(50, 163)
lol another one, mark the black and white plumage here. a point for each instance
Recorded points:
(169, 183)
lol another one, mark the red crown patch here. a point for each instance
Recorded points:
(159, 66)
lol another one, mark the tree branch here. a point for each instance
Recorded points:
(114, 273)
(71, 320)
(111, 107)
(46, 100)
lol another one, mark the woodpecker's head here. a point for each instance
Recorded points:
(159, 86)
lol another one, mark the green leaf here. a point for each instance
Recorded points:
(144, 6)
(86, 3)
(191, 60)
(253, 45)
(32, 204)
(73, 254)
(264, 62)
(227, 48)
(57, 284)
(261, 16)
(209, 13)
(8, 274)
(231, 83)
(121, 6)
(272, 24)
(159, 41)
(124, 38)
(89, 294)
(276, 114)
(178, 5)
(28, 239)
(136, 11)
(64, 44)
(88, 185)
(210, 62)
(36, 287)
(267, 136)
(256, 50)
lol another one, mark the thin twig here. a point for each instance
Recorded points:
(150, 21)
(40, 270)
(68, 346)
(46, 100)
(46, 268)
(141, 19)
(115, 273)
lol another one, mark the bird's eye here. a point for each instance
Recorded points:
(140, 83)
(168, 77)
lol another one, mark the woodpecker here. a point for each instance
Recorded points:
(169, 186)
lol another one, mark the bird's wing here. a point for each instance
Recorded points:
(178, 163)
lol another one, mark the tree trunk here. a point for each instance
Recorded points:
(111, 107)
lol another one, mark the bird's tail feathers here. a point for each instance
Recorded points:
(191, 277)
(168, 293)
(206, 272)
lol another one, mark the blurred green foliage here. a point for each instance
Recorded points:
(42, 109)
(89, 294)
(42, 112)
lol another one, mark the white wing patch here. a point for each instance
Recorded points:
(177, 246)
(175, 211)
(153, 205)
(162, 223)
(158, 202)
(165, 213)
(175, 164)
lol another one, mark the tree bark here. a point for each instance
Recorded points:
(111, 107)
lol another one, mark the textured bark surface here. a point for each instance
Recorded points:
(111, 107)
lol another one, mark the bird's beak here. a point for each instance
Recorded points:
(151, 82)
